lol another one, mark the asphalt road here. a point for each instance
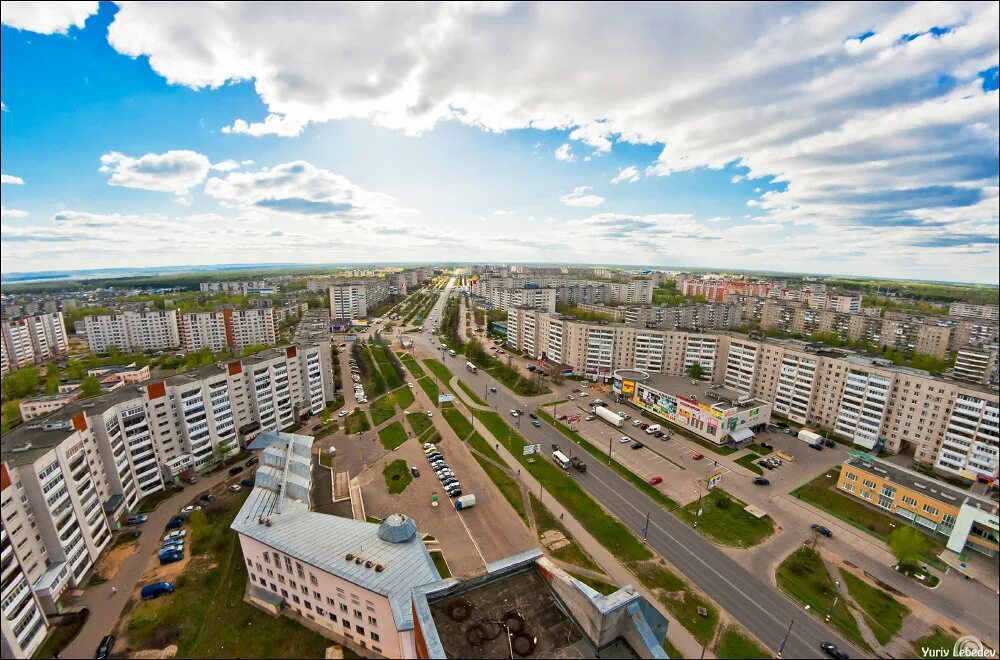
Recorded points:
(749, 599)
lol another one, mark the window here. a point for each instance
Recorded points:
(308, 605)
(284, 593)
(361, 631)
(374, 636)
(292, 584)
(320, 611)
(270, 573)
(850, 476)
(299, 571)
(305, 590)
(333, 617)
(343, 608)
(252, 578)
(930, 509)
(849, 488)
(313, 580)
(250, 563)
(296, 599)
(329, 601)
(357, 614)
(317, 596)
(281, 578)
(869, 483)
(909, 500)
(274, 587)
(372, 621)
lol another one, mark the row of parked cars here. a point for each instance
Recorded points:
(448, 479)
(359, 390)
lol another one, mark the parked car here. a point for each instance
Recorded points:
(493, 389)
(190, 479)
(430, 413)
(206, 497)
(188, 510)
(450, 481)
(765, 464)
(342, 413)
(536, 423)
(637, 445)
(235, 488)
(829, 443)
(253, 461)
(822, 530)
(643, 425)
(457, 492)
(816, 446)
(513, 413)
(246, 483)
(104, 648)
(590, 418)
(832, 651)
(156, 589)
(176, 534)
(698, 456)
(175, 522)
(428, 445)
(570, 397)
(414, 471)
(170, 555)
(624, 439)
(236, 469)
(658, 434)
(655, 481)
(761, 481)
(137, 519)
(562, 418)
(764, 445)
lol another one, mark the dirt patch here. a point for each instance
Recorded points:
(155, 654)
(108, 567)
(156, 573)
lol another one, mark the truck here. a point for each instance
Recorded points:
(611, 418)
(465, 502)
(810, 437)
(560, 459)
(471, 367)
(578, 464)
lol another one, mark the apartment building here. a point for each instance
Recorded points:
(258, 288)
(227, 328)
(636, 291)
(348, 301)
(40, 406)
(970, 311)
(966, 522)
(542, 299)
(978, 364)
(350, 580)
(23, 620)
(31, 340)
(719, 290)
(133, 331)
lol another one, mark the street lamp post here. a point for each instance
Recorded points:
(609, 449)
(836, 596)
(781, 646)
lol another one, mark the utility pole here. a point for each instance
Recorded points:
(834, 603)
(781, 646)
(609, 449)
(645, 528)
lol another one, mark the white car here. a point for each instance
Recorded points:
(624, 439)
(410, 385)
(570, 397)
(513, 413)
(342, 413)
(235, 488)
(188, 509)
(176, 534)
(430, 413)
(583, 394)
(637, 423)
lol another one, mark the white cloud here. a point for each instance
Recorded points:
(172, 171)
(246, 162)
(226, 166)
(580, 197)
(3, 107)
(48, 17)
(565, 152)
(628, 174)
(11, 179)
(9, 214)
(503, 212)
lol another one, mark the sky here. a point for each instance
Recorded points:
(846, 138)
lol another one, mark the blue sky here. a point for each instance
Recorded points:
(456, 133)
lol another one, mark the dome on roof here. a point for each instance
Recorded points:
(397, 528)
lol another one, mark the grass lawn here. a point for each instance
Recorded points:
(458, 422)
(404, 397)
(883, 613)
(206, 616)
(430, 435)
(336, 404)
(441, 564)
(479, 443)
(325, 460)
(757, 449)
(804, 577)
(572, 553)
(750, 462)
(66, 628)
(671, 650)
(392, 436)
(356, 422)
(475, 398)
(150, 502)
(937, 639)
(600, 586)
(383, 408)
(724, 521)
(734, 643)
(623, 471)
(430, 387)
(679, 599)
(419, 422)
(438, 368)
(411, 365)
(397, 476)
(506, 485)
(822, 493)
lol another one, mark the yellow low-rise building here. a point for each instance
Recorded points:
(968, 522)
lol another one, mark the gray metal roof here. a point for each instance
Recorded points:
(397, 528)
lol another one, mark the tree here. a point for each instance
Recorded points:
(52, 378)
(89, 387)
(11, 416)
(908, 546)
(20, 383)
(696, 371)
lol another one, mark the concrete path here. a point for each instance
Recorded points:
(106, 606)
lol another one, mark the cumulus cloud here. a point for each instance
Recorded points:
(226, 166)
(9, 214)
(11, 179)
(48, 17)
(874, 99)
(503, 212)
(174, 171)
(302, 189)
(565, 152)
(581, 197)
(628, 174)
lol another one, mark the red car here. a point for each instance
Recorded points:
(562, 418)
(698, 456)
(655, 480)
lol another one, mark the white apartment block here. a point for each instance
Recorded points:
(541, 299)
(968, 310)
(636, 291)
(133, 331)
(259, 288)
(348, 301)
(741, 362)
(227, 328)
(977, 365)
(32, 339)
(843, 304)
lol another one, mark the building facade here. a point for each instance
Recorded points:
(968, 310)
(133, 331)
(31, 340)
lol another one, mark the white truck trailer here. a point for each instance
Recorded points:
(809, 437)
(609, 417)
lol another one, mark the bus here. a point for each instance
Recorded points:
(471, 367)
(560, 459)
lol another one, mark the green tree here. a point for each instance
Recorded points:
(52, 378)
(21, 383)
(11, 416)
(89, 387)
(696, 371)
(909, 546)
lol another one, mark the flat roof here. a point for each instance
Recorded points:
(932, 487)
(700, 391)
(521, 599)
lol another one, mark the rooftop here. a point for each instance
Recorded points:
(700, 391)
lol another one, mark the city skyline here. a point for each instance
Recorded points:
(830, 138)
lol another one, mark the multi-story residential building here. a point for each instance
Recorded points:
(635, 291)
(22, 619)
(532, 298)
(31, 340)
(845, 304)
(348, 301)
(970, 311)
(133, 331)
(719, 290)
(227, 328)
(977, 364)
(966, 522)
(260, 288)
(351, 580)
